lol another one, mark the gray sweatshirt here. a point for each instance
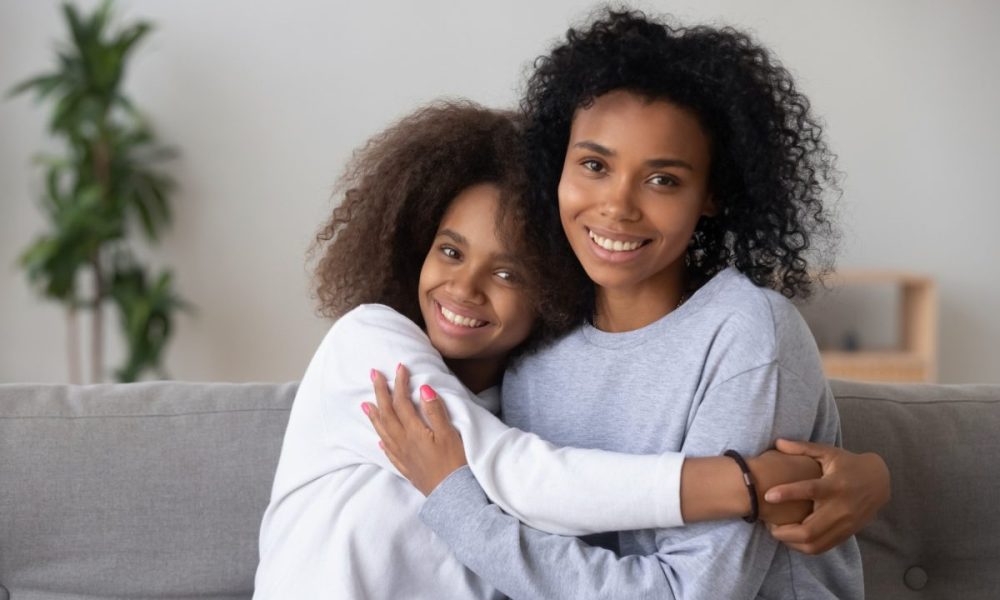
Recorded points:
(734, 367)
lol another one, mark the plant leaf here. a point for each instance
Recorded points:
(43, 85)
(131, 37)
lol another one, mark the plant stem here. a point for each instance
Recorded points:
(97, 336)
(73, 344)
(102, 173)
(102, 163)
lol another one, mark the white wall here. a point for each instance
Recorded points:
(266, 100)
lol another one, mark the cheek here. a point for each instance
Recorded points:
(678, 216)
(519, 316)
(571, 204)
(428, 277)
(571, 195)
(679, 224)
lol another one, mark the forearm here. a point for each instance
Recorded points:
(526, 563)
(572, 491)
(712, 488)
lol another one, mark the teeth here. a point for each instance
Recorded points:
(613, 245)
(460, 320)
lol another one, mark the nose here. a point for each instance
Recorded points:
(619, 203)
(464, 285)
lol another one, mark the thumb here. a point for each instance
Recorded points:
(813, 450)
(434, 410)
(809, 489)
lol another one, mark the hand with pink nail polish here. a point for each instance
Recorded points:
(424, 450)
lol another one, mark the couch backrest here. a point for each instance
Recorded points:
(939, 536)
(135, 491)
(157, 489)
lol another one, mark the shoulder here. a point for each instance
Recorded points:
(369, 337)
(374, 320)
(761, 324)
(372, 326)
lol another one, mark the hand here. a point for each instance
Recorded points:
(774, 468)
(846, 498)
(423, 453)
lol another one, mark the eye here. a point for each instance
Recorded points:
(593, 165)
(450, 252)
(663, 180)
(507, 276)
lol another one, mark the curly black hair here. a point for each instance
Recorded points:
(770, 166)
(395, 191)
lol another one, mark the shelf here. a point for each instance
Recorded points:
(914, 357)
(874, 365)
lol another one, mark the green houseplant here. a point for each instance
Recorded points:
(103, 187)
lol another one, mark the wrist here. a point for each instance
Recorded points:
(760, 478)
(432, 483)
(712, 488)
(749, 484)
(450, 479)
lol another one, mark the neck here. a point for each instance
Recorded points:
(634, 307)
(477, 374)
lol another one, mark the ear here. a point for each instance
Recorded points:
(708, 207)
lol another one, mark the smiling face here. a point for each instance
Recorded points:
(471, 296)
(633, 186)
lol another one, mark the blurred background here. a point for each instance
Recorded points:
(266, 101)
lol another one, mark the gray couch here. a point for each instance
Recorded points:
(155, 490)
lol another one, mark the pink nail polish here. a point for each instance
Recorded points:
(373, 373)
(427, 393)
(381, 445)
(365, 408)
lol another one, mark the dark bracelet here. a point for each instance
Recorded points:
(748, 480)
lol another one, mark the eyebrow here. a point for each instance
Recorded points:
(656, 163)
(454, 235)
(458, 238)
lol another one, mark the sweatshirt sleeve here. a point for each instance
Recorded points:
(723, 559)
(568, 491)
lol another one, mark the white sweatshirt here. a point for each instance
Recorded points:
(342, 523)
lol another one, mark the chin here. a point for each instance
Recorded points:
(452, 351)
(610, 277)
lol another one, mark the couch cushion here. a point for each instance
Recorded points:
(138, 490)
(157, 489)
(939, 536)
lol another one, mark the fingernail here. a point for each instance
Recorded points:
(365, 408)
(771, 496)
(426, 393)
(381, 445)
(373, 373)
(399, 367)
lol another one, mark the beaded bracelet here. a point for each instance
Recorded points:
(748, 480)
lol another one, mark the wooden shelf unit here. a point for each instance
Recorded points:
(916, 357)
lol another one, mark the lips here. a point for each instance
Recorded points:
(614, 246)
(458, 320)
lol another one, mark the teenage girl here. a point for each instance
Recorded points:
(687, 175)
